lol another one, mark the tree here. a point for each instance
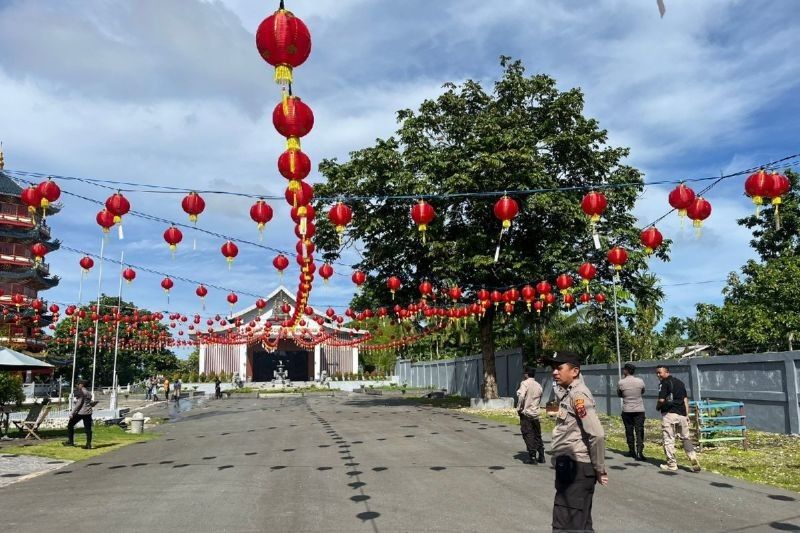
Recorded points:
(11, 391)
(523, 135)
(139, 355)
(769, 240)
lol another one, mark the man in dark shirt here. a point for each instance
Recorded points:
(81, 412)
(674, 406)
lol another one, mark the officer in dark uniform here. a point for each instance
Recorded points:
(578, 446)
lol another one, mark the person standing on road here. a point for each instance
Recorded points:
(176, 394)
(217, 388)
(166, 389)
(81, 412)
(631, 389)
(674, 406)
(529, 396)
(578, 446)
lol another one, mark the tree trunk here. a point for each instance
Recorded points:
(489, 386)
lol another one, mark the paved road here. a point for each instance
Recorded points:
(361, 464)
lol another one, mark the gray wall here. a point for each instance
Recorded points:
(463, 376)
(766, 383)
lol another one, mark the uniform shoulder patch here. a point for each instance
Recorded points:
(580, 407)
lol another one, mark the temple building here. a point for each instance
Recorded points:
(303, 360)
(21, 276)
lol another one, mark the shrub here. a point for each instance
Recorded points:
(11, 389)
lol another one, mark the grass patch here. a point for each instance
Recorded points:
(449, 402)
(104, 440)
(772, 459)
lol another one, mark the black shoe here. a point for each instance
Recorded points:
(68, 443)
(541, 459)
(640, 457)
(87, 447)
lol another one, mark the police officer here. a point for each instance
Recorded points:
(631, 389)
(529, 396)
(578, 446)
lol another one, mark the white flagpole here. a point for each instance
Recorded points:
(97, 310)
(75, 343)
(116, 336)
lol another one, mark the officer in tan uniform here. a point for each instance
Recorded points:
(578, 446)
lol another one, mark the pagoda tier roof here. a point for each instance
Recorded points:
(9, 187)
(31, 235)
(32, 275)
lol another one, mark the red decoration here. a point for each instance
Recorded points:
(201, 291)
(261, 213)
(698, 211)
(505, 209)
(86, 263)
(359, 278)
(340, 216)
(293, 119)
(31, 197)
(105, 219)
(454, 293)
(38, 250)
(326, 271)
(543, 288)
(230, 251)
(261, 304)
(167, 284)
(294, 165)
(585, 298)
(681, 198)
(564, 282)
(757, 186)
(17, 299)
(778, 186)
(281, 262)
(569, 300)
(284, 42)
(232, 299)
(49, 191)
(193, 204)
(483, 295)
(422, 213)
(394, 284)
(129, 274)
(538, 305)
(600, 298)
(300, 195)
(651, 239)
(173, 236)
(529, 295)
(617, 256)
(118, 206)
(587, 272)
(593, 204)
(426, 288)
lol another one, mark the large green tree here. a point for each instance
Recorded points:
(132, 363)
(522, 134)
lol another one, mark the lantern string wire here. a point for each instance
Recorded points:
(166, 189)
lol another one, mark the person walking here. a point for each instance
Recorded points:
(176, 393)
(631, 389)
(217, 388)
(148, 388)
(166, 389)
(578, 446)
(81, 412)
(673, 403)
(529, 396)
(155, 389)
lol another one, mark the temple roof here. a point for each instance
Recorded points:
(8, 186)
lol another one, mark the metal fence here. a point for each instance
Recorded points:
(463, 376)
(766, 383)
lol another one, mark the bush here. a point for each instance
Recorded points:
(193, 377)
(11, 389)
(202, 378)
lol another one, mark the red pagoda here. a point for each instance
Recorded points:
(22, 274)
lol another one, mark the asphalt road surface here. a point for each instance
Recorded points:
(361, 464)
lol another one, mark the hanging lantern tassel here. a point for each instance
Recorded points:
(777, 202)
(230, 262)
(595, 236)
(698, 228)
(506, 225)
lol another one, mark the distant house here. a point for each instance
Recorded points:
(694, 350)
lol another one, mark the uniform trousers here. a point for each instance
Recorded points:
(87, 426)
(669, 423)
(531, 430)
(634, 427)
(572, 508)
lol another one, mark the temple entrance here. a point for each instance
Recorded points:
(298, 363)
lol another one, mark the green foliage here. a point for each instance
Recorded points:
(523, 134)
(770, 241)
(11, 392)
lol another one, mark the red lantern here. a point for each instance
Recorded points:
(651, 239)
(31, 197)
(549, 298)
(454, 293)
(569, 300)
(54, 308)
(293, 119)
(340, 216)
(394, 284)
(105, 220)
(326, 271)
(778, 186)
(49, 191)
(585, 298)
(587, 272)
(757, 186)
(617, 256)
(167, 284)
(173, 236)
(118, 205)
(593, 204)
(17, 299)
(38, 250)
(232, 299)
(261, 304)
(505, 209)
(261, 213)
(230, 251)
(543, 288)
(359, 278)
(129, 274)
(422, 213)
(193, 204)
(426, 288)
(528, 294)
(300, 195)
(86, 263)
(284, 42)
(564, 282)
(538, 305)
(681, 198)
(600, 298)
(281, 262)
(201, 292)
(698, 211)
(294, 165)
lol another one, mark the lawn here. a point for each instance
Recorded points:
(771, 459)
(104, 439)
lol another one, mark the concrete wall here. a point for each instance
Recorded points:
(766, 383)
(463, 376)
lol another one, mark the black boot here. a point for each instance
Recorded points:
(540, 459)
(88, 445)
(68, 443)
(640, 456)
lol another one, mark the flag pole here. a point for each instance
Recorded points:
(116, 335)
(97, 311)
(75, 343)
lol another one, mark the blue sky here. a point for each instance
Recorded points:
(169, 92)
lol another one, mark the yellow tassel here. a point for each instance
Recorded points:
(283, 74)
(506, 224)
(285, 102)
(193, 218)
(292, 164)
(292, 143)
